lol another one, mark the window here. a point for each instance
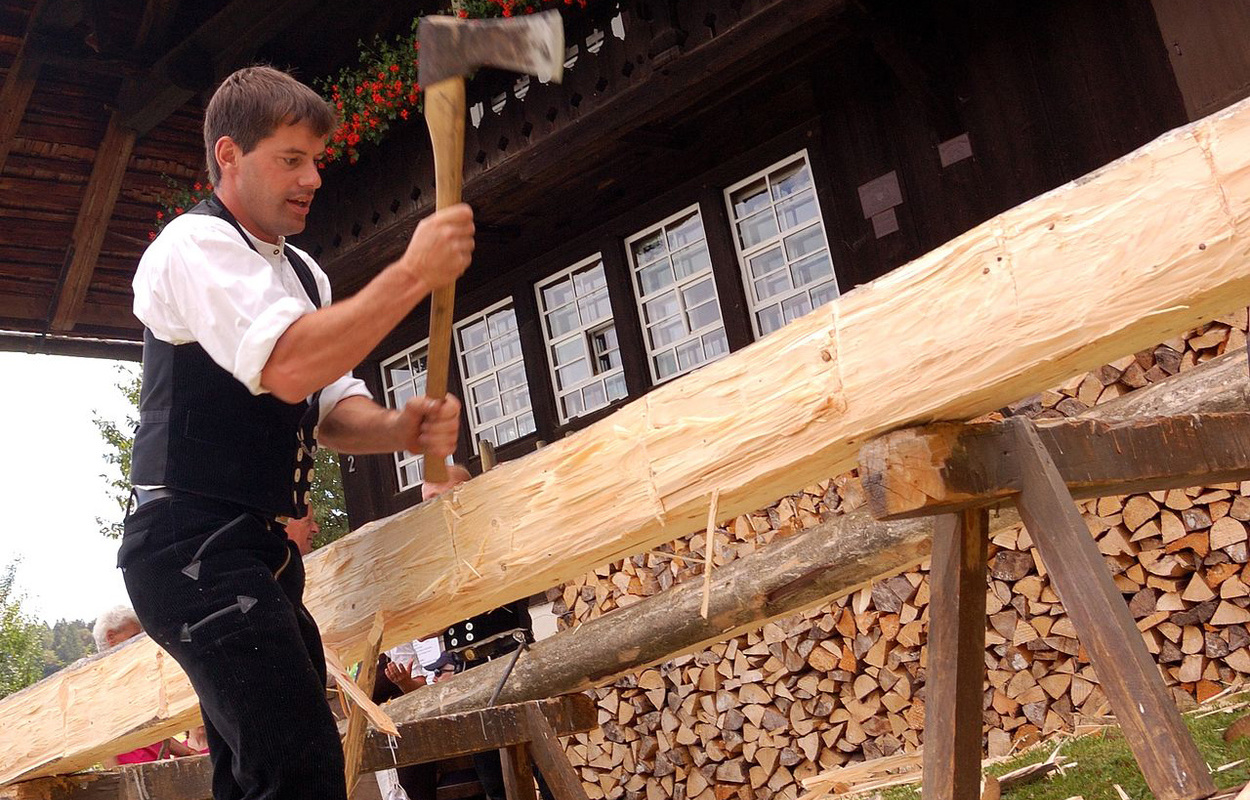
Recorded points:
(585, 358)
(677, 298)
(780, 239)
(496, 391)
(403, 378)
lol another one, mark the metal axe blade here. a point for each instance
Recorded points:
(532, 44)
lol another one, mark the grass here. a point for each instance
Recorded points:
(1103, 759)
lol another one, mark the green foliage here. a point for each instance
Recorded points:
(1103, 759)
(119, 441)
(327, 499)
(21, 639)
(64, 643)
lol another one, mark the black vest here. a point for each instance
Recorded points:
(202, 431)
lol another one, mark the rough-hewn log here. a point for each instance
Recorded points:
(430, 739)
(1143, 249)
(952, 466)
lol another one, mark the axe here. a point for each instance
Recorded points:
(450, 50)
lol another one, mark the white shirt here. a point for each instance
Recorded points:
(200, 282)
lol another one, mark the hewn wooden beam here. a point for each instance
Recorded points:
(953, 466)
(1138, 251)
(92, 223)
(19, 83)
(422, 741)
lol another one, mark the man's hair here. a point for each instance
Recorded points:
(114, 619)
(252, 102)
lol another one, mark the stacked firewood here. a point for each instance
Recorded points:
(753, 716)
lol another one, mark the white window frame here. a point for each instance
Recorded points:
(753, 303)
(582, 332)
(404, 458)
(640, 301)
(467, 384)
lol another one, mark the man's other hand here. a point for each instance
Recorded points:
(441, 247)
(430, 426)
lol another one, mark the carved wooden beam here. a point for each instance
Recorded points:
(19, 82)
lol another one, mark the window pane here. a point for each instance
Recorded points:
(690, 354)
(562, 320)
(808, 240)
(488, 412)
(413, 473)
(512, 376)
(396, 376)
(572, 404)
(704, 315)
(484, 392)
(824, 293)
(797, 210)
(473, 335)
(608, 361)
(753, 230)
(595, 307)
(715, 343)
(515, 400)
(770, 319)
(594, 396)
(603, 339)
(615, 386)
(572, 375)
(750, 198)
(796, 306)
(661, 307)
(700, 292)
(568, 351)
(685, 231)
(590, 280)
(502, 322)
(790, 179)
(772, 285)
(655, 277)
(477, 361)
(525, 424)
(665, 364)
(667, 332)
(768, 261)
(690, 261)
(557, 294)
(403, 394)
(505, 431)
(649, 249)
(506, 349)
(812, 269)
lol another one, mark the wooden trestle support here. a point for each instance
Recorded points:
(957, 471)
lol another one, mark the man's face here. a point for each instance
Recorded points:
(302, 530)
(274, 183)
(116, 636)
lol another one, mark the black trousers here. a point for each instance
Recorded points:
(220, 588)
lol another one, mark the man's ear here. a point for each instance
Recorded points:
(227, 153)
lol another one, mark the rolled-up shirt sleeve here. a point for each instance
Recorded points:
(344, 387)
(201, 282)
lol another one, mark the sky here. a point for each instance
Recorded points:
(51, 484)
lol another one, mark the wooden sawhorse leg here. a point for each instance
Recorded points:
(1152, 726)
(956, 670)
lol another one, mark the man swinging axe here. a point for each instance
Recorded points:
(246, 365)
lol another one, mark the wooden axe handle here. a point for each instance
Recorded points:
(444, 114)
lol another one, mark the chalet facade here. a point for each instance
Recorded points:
(709, 171)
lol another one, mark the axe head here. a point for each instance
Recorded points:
(532, 44)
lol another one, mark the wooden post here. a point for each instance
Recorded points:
(956, 671)
(551, 759)
(1152, 726)
(357, 721)
(518, 775)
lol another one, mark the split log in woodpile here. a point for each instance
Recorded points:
(754, 716)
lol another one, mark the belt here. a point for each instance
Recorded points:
(143, 496)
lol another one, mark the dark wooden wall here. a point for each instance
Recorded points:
(1044, 92)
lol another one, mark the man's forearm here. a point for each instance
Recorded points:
(359, 426)
(322, 346)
